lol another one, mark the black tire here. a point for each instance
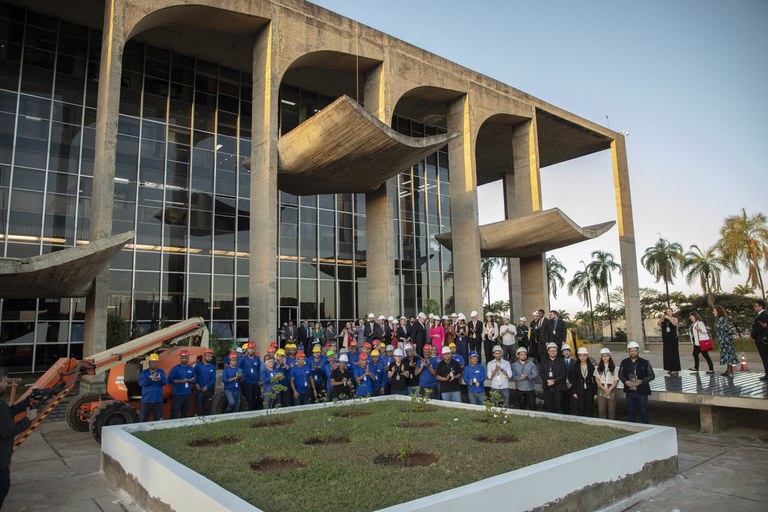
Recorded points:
(219, 403)
(112, 413)
(78, 417)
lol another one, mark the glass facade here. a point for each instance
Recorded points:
(184, 128)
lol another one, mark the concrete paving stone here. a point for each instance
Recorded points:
(24, 472)
(87, 505)
(59, 491)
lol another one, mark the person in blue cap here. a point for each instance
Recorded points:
(474, 377)
(182, 378)
(205, 384)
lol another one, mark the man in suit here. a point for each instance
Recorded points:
(289, 333)
(305, 333)
(556, 329)
(381, 329)
(544, 333)
(368, 328)
(419, 333)
(475, 332)
(760, 334)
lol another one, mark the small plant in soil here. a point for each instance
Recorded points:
(274, 391)
(351, 407)
(495, 420)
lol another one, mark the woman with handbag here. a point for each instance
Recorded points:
(725, 340)
(702, 343)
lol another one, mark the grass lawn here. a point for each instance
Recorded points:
(344, 477)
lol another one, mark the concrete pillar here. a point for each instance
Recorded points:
(262, 310)
(379, 214)
(107, 112)
(513, 264)
(711, 418)
(627, 240)
(523, 197)
(464, 217)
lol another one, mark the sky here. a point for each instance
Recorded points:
(687, 79)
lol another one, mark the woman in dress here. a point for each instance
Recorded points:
(668, 325)
(436, 334)
(461, 337)
(450, 331)
(725, 340)
(698, 334)
(318, 334)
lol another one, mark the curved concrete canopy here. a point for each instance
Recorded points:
(66, 273)
(343, 148)
(530, 235)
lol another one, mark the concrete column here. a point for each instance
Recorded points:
(110, 70)
(523, 197)
(464, 218)
(513, 264)
(627, 240)
(262, 310)
(379, 214)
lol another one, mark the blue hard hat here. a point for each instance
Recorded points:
(473, 354)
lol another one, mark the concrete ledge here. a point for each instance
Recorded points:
(583, 480)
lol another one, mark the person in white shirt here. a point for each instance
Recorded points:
(607, 376)
(499, 371)
(508, 333)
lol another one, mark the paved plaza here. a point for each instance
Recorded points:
(57, 469)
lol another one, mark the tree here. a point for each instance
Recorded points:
(741, 289)
(745, 239)
(662, 261)
(582, 285)
(600, 268)
(486, 267)
(555, 271)
(707, 266)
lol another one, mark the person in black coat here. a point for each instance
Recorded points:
(552, 374)
(556, 330)
(583, 385)
(636, 372)
(9, 429)
(475, 333)
(543, 334)
(305, 334)
(419, 333)
(369, 329)
(760, 334)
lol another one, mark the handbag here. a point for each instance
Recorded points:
(705, 345)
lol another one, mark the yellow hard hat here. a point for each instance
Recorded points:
(280, 352)
(245, 346)
(316, 348)
(154, 357)
(374, 352)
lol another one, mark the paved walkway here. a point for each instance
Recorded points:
(57, 469)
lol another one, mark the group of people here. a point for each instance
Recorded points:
(299, 375)
(702, 340)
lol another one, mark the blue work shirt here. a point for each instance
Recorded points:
(426, 378)
(378, 370)
(459, 359)
(364, 385)
(227, 374)
(474, 373)
(327, 369)
(251, 367)
(206, 375)
(181, 372)
(152, 391)
(300, 376)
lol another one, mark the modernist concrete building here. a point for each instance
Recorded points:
(275, 160)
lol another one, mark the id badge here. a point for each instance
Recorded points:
(186, 384)
(668, 329)
(251, 370)
(550, 374)
(554, 331)
(585, 385)
(397, 378)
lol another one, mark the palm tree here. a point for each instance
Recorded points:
(582, 285)
(662, 260)
(600, 269)
(741, 289)
(707, 266)
(486, 267)
(746, 238)
(555, 271)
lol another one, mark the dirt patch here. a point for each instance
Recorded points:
(272, 464)
(206, 442)
(325, 440)
(417, 424)
(413, 460)
(269, 422)
(500, 438)
(351, 414)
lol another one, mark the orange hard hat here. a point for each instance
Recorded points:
(184, 353)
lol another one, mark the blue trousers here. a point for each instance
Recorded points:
(451, 396)
(476, 398)
(637, 403)
(233, 399)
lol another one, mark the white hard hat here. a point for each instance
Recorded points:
(445, 317)
(408, 346)
(490, 313)
(632, 344)
(454, 315)
(446, 350)
(462, 317)
(523, 319)
(422, 315)
(390, 318)
(371, 315)
(474, 313)
(398, 352)
(344, 358)
(605, 351)
(382, 317)
(505, 317)
(496, 349)
(521, 349)
(551, 345)
(565, 346)
(583, 350)
(403, 318)
(535, 313)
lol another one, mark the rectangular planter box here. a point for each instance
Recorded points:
(584, 480)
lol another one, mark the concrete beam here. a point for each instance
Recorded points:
(627, 249)
(262, 282)
(464, 216)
